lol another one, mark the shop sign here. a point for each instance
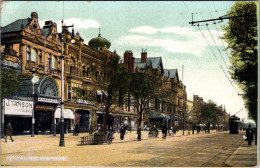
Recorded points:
(80, 101)
(42, 107)
(67, 113)
(18, 107)
(11, 64)
(48, 100)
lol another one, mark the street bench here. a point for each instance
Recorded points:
(87, 140)
(96, 139)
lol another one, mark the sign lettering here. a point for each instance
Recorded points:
(18, 107)
(48, 100)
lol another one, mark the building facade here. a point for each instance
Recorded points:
(169, 106)
(35, 51)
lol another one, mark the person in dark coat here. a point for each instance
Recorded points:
(122, 132)
(164, 131)
(8, 132)
(249, 135)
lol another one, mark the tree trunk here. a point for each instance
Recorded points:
(139, 137)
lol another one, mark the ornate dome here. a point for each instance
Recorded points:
(99, 42)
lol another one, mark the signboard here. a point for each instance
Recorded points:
(18, 107)
(67, 113)
(48, 100)
(11, 64)
(80, 101)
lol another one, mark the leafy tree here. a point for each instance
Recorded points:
(142, 88)
(113, 82)
(210, 114)
(10, 82)
(241, 36)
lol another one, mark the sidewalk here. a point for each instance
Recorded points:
(244, 156)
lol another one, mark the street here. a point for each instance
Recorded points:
(198, 150)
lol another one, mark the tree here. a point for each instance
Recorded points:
(142, 88)
(10, 82)
(241, 36)
(113, 83)
(210, 114)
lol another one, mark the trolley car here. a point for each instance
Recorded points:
(233, 124)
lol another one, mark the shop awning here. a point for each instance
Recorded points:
(101, 93)
(67, 113)
(159, 116)
(174, 118)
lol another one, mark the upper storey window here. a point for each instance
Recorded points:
(53, 62)
(33, 55)
(28, 53)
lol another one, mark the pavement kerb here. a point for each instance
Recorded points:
(228, 162)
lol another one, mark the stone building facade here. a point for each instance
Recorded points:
(36, 51)
(169, 106)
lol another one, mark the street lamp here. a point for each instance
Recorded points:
(62, 142)
(34, 80)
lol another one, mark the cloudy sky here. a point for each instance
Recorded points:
(160, 27)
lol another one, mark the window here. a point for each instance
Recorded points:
(49, 61)
(33, 55)
(53, 62)
(39, 57)
(84, 71)
(71, 69)
(96, 74)
(69, 93)
(28, 53)
(88, 72)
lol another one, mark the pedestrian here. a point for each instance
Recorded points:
(122, 132)
(164, 131)
(249, 135)
(8, 132)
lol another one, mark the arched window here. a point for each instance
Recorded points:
(96, 74)
(53, 62)
(33, 55)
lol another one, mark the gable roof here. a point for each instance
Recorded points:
(173, 73)
(16, 25)
(155, 61)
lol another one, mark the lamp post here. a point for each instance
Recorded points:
(62, 141)
(34, 80)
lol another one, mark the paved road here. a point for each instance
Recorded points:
(199, 150)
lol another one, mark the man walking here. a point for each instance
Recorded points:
(164, 131)
(249, 135)
(8, 132)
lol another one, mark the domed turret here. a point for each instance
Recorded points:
(99, 42)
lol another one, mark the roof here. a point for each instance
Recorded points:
(173, 73)
(155, 61)
(46, 31)
(16, 25)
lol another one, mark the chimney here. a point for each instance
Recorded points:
(129, 60)
(143, 56)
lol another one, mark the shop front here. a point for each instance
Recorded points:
(19, 113)
(159, 119)
(68, 116)
(44, 94)
(84, 122)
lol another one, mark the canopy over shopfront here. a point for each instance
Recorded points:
(159, 116)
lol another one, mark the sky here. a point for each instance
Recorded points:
(160, 27)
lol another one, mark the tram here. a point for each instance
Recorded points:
(233, 124)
